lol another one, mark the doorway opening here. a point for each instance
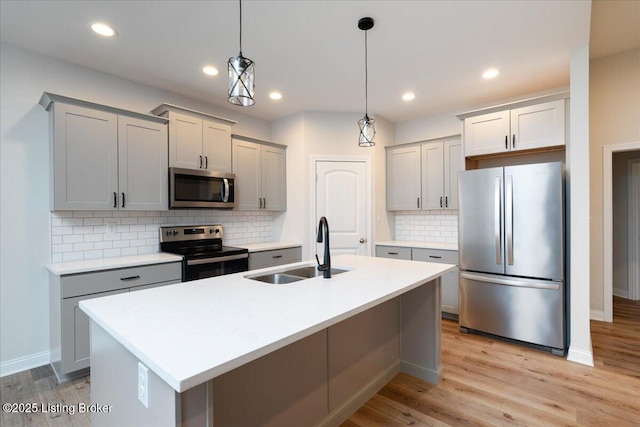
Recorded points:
(609, 232)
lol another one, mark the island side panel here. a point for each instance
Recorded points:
(421, 326)
(285, 388)
(114, 382)
(364, 353)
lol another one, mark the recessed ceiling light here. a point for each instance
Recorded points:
(408, 96)
(102, 29)
(275, 95)
(210, 70)
(490, 73)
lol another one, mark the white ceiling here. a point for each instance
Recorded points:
(313, 52)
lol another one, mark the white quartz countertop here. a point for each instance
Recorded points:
(423, 245)
(191, 332)
(259, 247)
(85, 266)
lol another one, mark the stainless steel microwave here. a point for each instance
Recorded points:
(189, 188)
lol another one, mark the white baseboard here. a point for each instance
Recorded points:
(622, 293)
(580, 356)
(597, 315)
(23, 363)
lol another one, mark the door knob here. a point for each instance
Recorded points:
(363, 240)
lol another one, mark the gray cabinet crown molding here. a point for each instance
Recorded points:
(515, 104)
(47, 99)
(165, 107)
(425, 141)
(257, 141)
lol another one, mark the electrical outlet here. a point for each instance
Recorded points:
(111, 228)
(143, 384)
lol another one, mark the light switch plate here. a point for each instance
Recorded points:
(143, 384)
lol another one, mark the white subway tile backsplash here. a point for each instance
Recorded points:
(429, 226)
(77, 235)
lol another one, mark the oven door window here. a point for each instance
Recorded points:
(213, 269)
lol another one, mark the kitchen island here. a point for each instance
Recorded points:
(231, 350)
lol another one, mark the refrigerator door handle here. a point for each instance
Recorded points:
(498, 222)
(508, 195)
(523, 283)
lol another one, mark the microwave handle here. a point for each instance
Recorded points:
(225, 194)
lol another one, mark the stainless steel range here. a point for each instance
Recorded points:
(203, 252)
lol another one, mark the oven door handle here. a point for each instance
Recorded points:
(216, 259)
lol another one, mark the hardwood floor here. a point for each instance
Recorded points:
(487, 382)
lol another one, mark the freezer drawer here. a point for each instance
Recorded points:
(526, 310)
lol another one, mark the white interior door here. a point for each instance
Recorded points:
(341, 197)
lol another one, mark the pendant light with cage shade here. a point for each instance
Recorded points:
(241, 76)
(367, 131)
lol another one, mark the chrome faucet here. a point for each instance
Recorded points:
(325, 267)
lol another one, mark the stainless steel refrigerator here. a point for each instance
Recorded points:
(511, 250)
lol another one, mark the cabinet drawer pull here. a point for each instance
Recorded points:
(125, 279)
(434, 256)
(392, 253)
(276, 256)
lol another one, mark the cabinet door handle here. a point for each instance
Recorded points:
(506, 142)
(418, 201)
(122, 200)
(125, 279)
(446, 201)
(200, 164)
(435, 256)
(276, 256)
(440, 201)
(513, 141)
(206, 162)
(259, 202)
(115, 199)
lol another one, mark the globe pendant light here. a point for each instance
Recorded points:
(241, 76)
(367, 131)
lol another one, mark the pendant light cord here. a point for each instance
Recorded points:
(366, 77)
(240, 1)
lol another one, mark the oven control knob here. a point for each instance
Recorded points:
(217, 230)
(168, 233)
(175, 232)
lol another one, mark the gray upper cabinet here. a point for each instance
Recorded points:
(260, 170)
(527, 127)
(424, 176)
(197, 140)
(104, 158)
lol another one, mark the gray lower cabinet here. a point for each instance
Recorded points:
(69, 325)
(274, 257)
(449, 281)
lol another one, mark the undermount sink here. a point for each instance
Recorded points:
(293, 275)
(276, 278)
(311, 271)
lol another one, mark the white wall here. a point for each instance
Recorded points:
(577, 175)
(331, 135)
(24, 183)
(615, 119)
